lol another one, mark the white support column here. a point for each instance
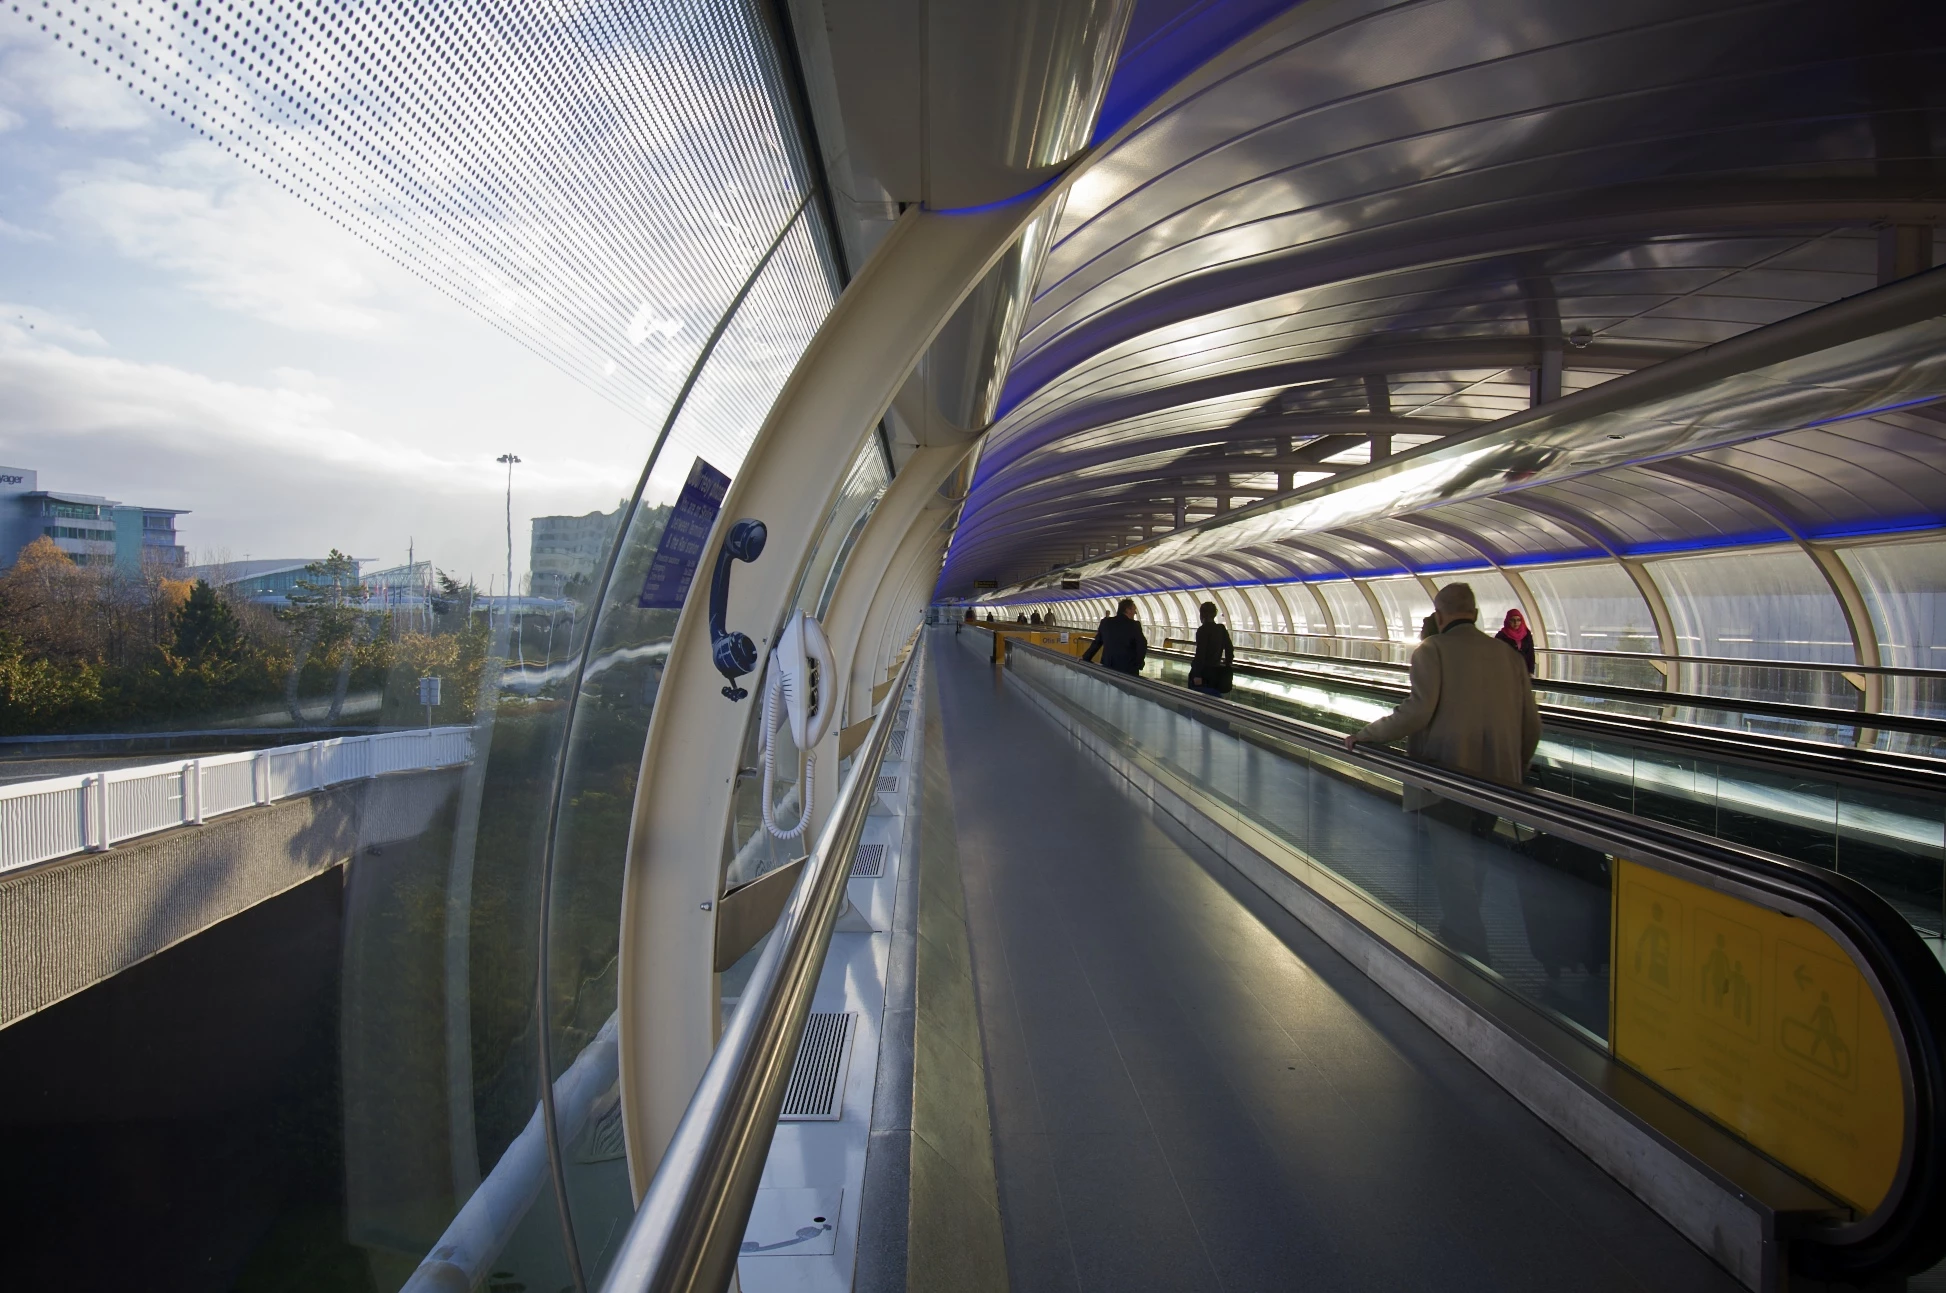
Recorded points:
(890, 531)
(894, 616)
(1378, 611)
(95, 832)
(883, 628)
(912, 497)
(840, 389)
(1858, 619)
(1665, 625)
(192, 792)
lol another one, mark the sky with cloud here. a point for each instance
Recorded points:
(177, 331)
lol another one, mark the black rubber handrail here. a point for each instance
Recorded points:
(1918, 723)
(1908, 1231)
(1739, 662)
(1791, 755)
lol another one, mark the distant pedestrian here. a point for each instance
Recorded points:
(1515, 633)
(1211, 669)
(1034, 619)
(1119, 641)
(1428, 627)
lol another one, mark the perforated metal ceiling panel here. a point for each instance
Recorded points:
(595, 179)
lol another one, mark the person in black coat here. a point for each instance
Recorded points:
(1209, 669)
(1119, 640)
(1515, 633)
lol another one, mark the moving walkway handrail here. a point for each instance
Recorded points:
(1301, 666)
(1908, 1230)
(1787, 752)
(1740, 662)
(689, 1229)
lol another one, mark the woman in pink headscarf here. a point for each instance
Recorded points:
(1515, 633)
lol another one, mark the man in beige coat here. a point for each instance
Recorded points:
(1471, 710)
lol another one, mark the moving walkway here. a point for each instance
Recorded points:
(1875, 814)
(1749, 1045)
(1636, 937)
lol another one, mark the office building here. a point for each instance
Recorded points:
(91, 529)
(145, 537)
(564, 549)
(267, 581)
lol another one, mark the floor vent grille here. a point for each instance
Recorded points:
(870, 861)
(888, 785)
(895, 746)
(816, 1092)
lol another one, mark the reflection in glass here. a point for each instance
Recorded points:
(1592, 607)
(1904, 587)
(1351, 614)
(1526, 908)
(756, 349)
(434, 1096)
(751, 849)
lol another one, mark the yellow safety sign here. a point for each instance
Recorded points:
(1760, 1020)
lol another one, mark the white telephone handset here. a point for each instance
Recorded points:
(804, 675)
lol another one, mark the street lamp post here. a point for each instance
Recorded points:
(510, 459)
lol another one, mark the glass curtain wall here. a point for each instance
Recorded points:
(362, 253)
(1762, 605)
(753, 850)
(1904, 589)
(735, 385)
(1271, 616)
(1764, 624)
(1406, 605)
(1351, 614)
(1595, 606)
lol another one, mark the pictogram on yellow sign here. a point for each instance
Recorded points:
(1761, 1021)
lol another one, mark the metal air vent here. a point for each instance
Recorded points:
(816, 1092)
(870, 861)
(888, 785)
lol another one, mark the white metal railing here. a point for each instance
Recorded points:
(42, 820)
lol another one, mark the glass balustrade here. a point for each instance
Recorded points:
(1891, 839)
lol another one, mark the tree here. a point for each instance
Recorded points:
(39, 695)
(324, 604)
(207, 633)
(451, 595)
(53, 604)
(323, 609)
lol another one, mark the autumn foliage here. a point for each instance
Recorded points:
(88, 648)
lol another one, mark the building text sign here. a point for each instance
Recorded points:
(680, 550)
(1762, 1021)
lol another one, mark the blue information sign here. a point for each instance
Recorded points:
(681, 549)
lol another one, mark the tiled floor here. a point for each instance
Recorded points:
(1191, 1092)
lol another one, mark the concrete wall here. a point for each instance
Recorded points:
(71, 923)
